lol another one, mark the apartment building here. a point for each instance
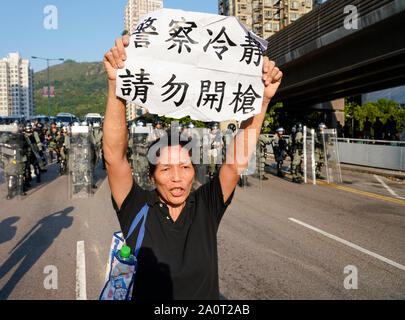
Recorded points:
(265, 17)
(16, 86)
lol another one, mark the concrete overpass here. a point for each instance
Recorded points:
(322, 60)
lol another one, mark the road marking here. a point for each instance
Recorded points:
(352, 245)
(398, 200)
(387, 187)
(80, 272)
(364, 193)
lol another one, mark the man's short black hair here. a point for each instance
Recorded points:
(168, 141)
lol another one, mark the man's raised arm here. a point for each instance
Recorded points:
(237, 157)
(115, 136)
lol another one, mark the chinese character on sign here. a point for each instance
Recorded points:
(126, 83)
(179, 33)
(176, 86)
(142, 33)
(221, 43)
(141, 84)
(252, 48)
(212, 98)
(246, 104)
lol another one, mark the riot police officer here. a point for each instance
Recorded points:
(261, 154)
(214, 150)
(158, 130)
(187, 132)
(97, 140)
(280, 150)
(13, 148)
(229, 134)
(64, 146)
(32, 154)
(319, 150)
(50, 138)
(297, 145)
(138, 143)
(39, 136)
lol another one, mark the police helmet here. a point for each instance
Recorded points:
(96, 125)
(158, 121)
(58, 124)
(28, 127)
(281, 129)
(190, 125)
(140, 123)
(232, 127)
(299, 126)
(213, 126)
(294, 129)
(322, 126)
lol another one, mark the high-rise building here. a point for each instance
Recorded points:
(134, 10)
(265, 17)
(16, 86)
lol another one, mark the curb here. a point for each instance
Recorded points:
(370, 170)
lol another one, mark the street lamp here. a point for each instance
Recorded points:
(49, 88)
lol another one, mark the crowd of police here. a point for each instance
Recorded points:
(215, 142)
(26, 148)
(293, 147)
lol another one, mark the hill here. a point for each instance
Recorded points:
(80, 88)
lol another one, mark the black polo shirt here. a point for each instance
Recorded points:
(177, 260)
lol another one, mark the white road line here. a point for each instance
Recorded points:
(80, 272)
(387, 187)
(352, 245)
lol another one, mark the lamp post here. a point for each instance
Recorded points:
(49, 86)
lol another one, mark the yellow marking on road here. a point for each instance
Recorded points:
(364, 193)
(356, 191)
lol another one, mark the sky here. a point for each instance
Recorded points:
(86, 28)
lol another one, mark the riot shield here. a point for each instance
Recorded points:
(12, 162)
(139, 141)
(253, 174)
(80, 179)
(212, 153)
(309, 155)
(331, 156)
(35, 151)
(195, 142)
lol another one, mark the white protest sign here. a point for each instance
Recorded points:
(205, 66)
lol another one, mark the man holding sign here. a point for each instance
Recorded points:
(178, 256)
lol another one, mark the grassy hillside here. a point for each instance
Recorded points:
(81, 86)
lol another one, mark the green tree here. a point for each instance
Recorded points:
(271, 119)
(381, 108)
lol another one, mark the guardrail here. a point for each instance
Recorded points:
(373, 153)
(369, 141)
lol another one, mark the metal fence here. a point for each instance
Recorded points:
(373, 153)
